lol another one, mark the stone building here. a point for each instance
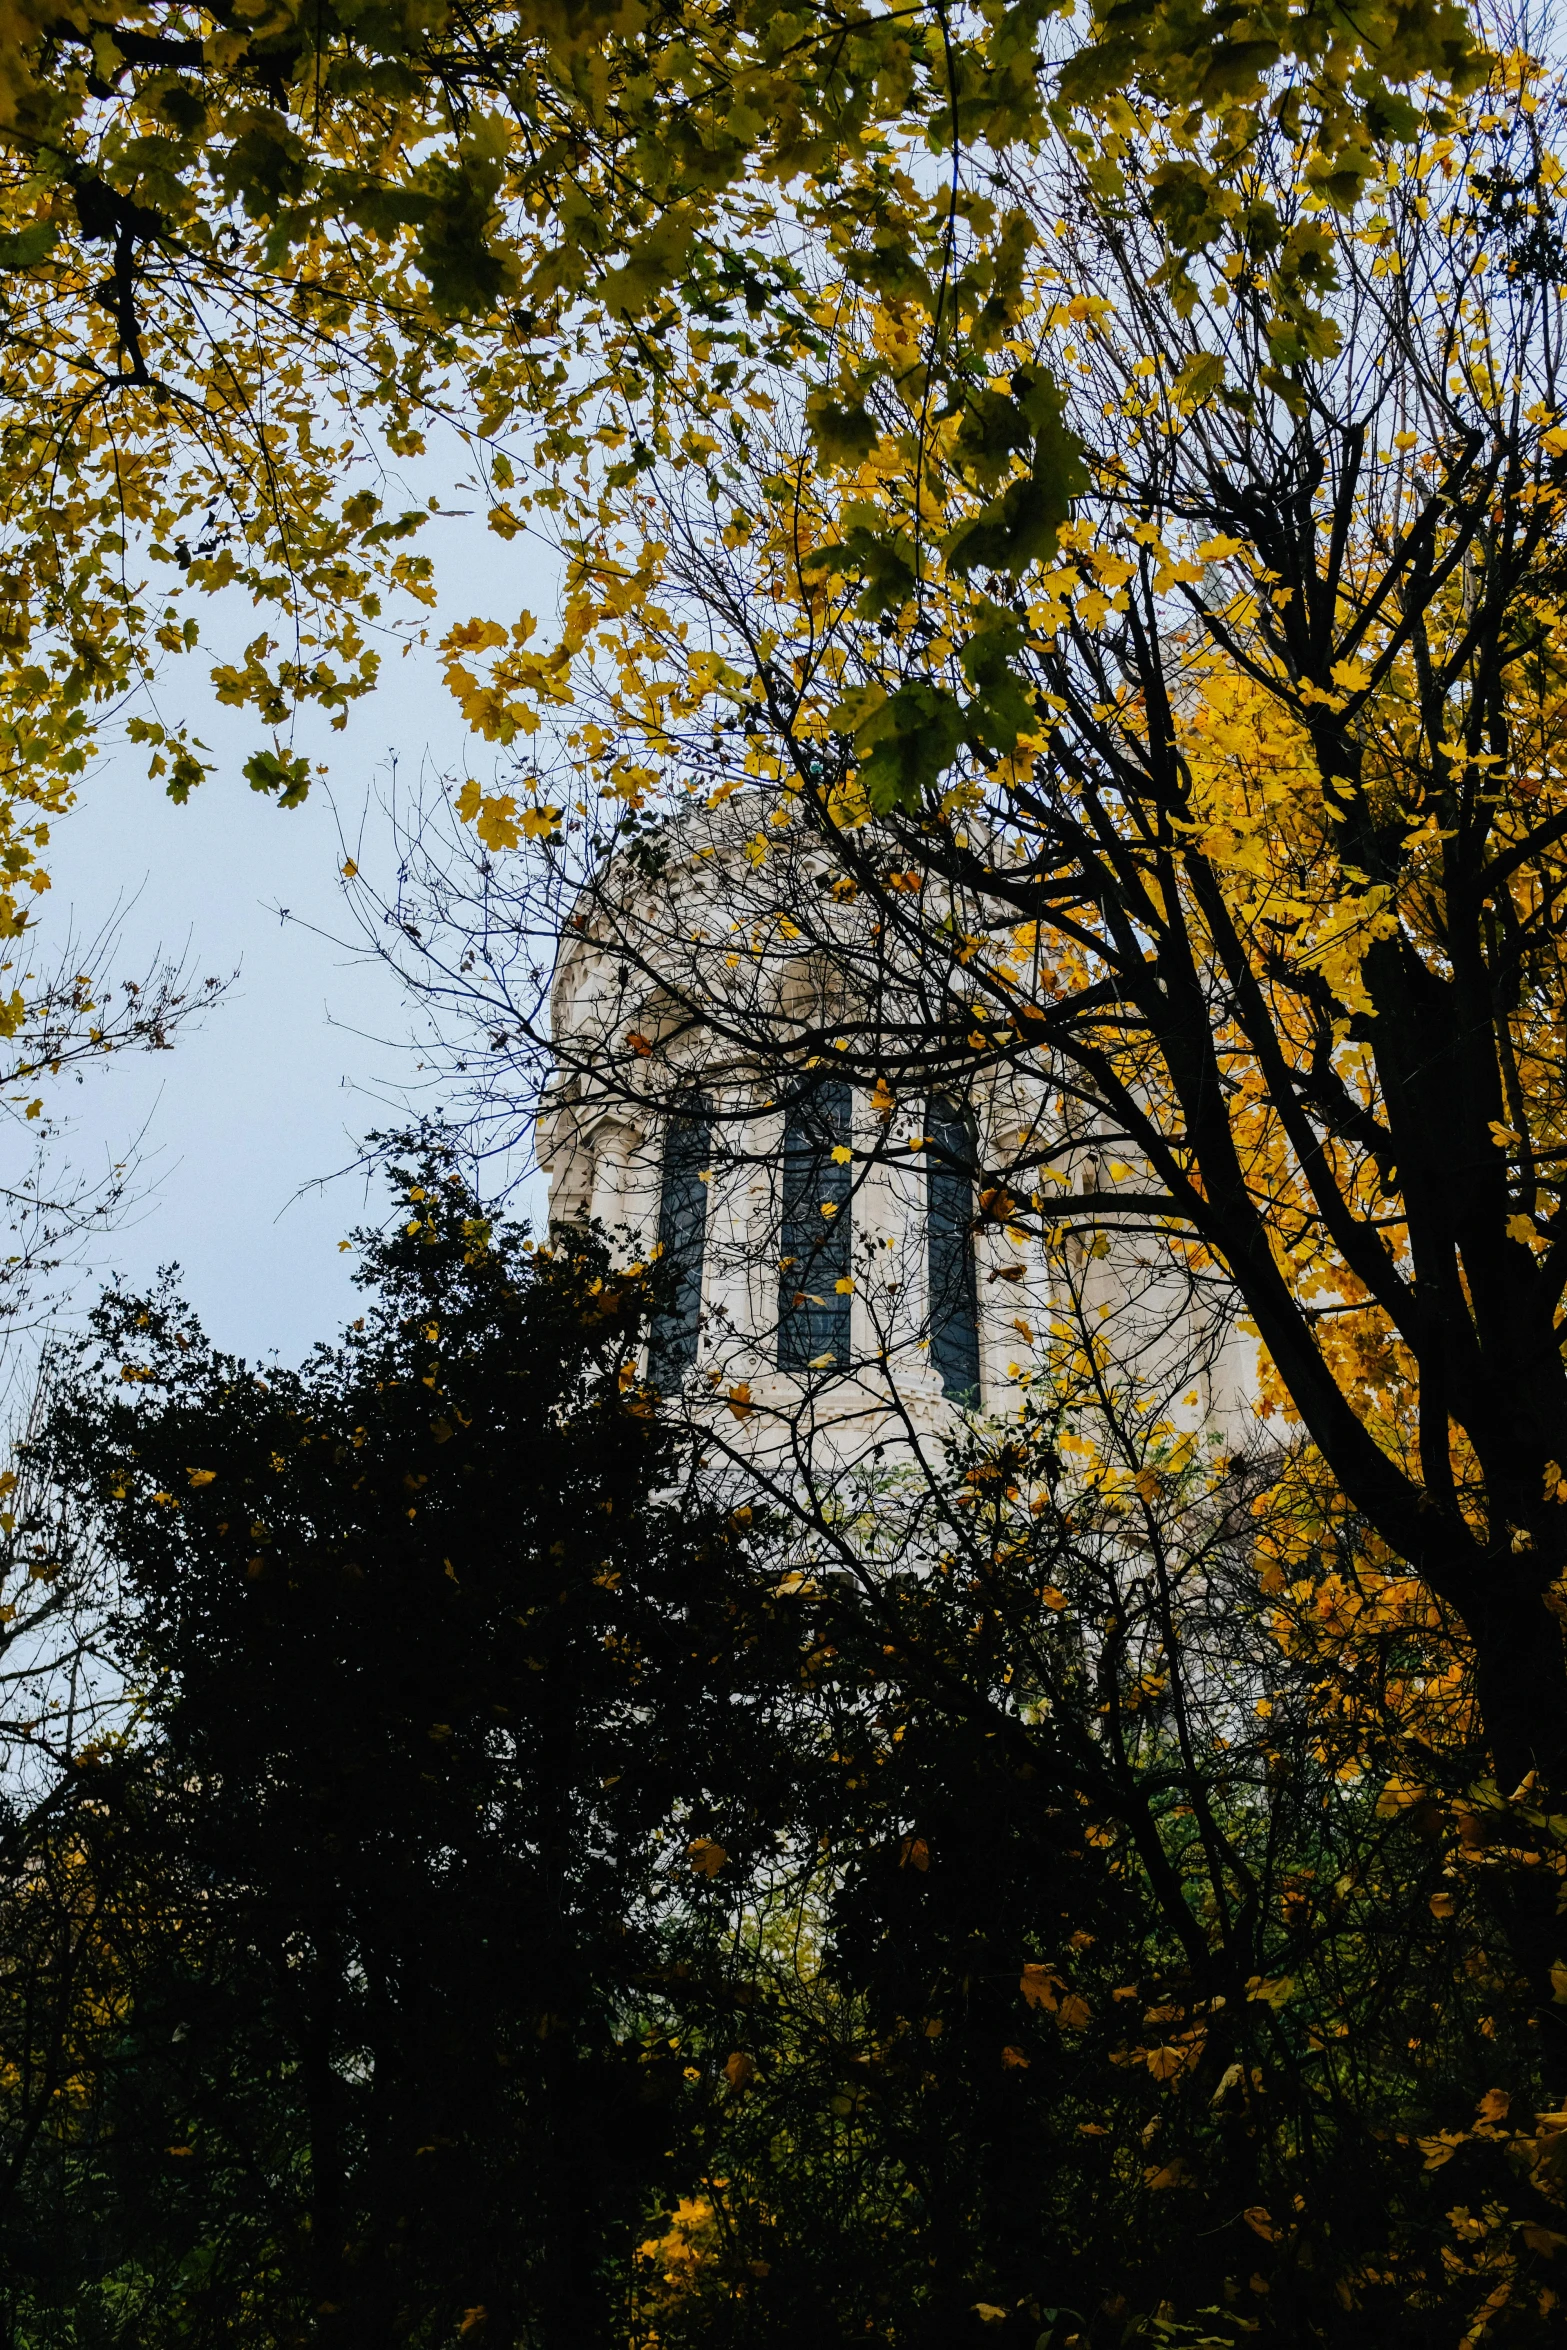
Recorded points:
(840, 1282)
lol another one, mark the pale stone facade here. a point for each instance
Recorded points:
(655, 1027)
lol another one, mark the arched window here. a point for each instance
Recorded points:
(682, 1230)
(813, 1312)
(954, 1296)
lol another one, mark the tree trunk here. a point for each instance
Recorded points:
(1521, 1689)
(325, 2262)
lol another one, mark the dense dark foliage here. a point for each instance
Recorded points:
(537, 1905)
(401, 1808)
(1130, 2006)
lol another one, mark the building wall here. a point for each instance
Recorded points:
(646, 966)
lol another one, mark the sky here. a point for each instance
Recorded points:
(246, 1125)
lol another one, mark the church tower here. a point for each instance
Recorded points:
(851, 1266)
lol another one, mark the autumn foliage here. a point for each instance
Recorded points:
(1058, 1897)
(1077, 508)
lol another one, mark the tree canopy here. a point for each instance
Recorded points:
(1072, 517)
(354, 1943)
(249, 256)
(529, 1898)
(1179, 698)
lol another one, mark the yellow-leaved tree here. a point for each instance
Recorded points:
(247, 254)
(1167, 649)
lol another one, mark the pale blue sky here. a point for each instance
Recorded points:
(276, 1087)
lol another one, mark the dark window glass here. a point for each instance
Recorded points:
(682, 1228)
(813, 1314)
(954, 1298)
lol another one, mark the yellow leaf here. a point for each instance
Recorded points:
(473, 636)
(739, 1399)
(706, 1857)
(915, 1853)
(1015, 2060)
(202, 1476)
(1520, 1228)
(1172, 574)
(1164, 2063)
(1073, 2013)
(1276, 1990)
(844, 1288)
(497, 822)
(1039, 1986)
(842, 1153)
(1260, 2221)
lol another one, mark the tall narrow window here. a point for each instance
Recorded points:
(954, 1297)
(682, 1230)
(813, 1311)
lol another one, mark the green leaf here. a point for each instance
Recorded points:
(266, 166)
(1342, 176)
(844, 431)
(652, 265)
(858, 706)
(1023, 525)
(1389, 115)
(911, 740)
(1001, 709)
(991, 433)
(289, 779)
(1199, 379)
(24, 248)
(1190, 205)
(460, 243)
(883, 560)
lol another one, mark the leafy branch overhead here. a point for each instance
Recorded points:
(1166, 665)
(247, 257)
